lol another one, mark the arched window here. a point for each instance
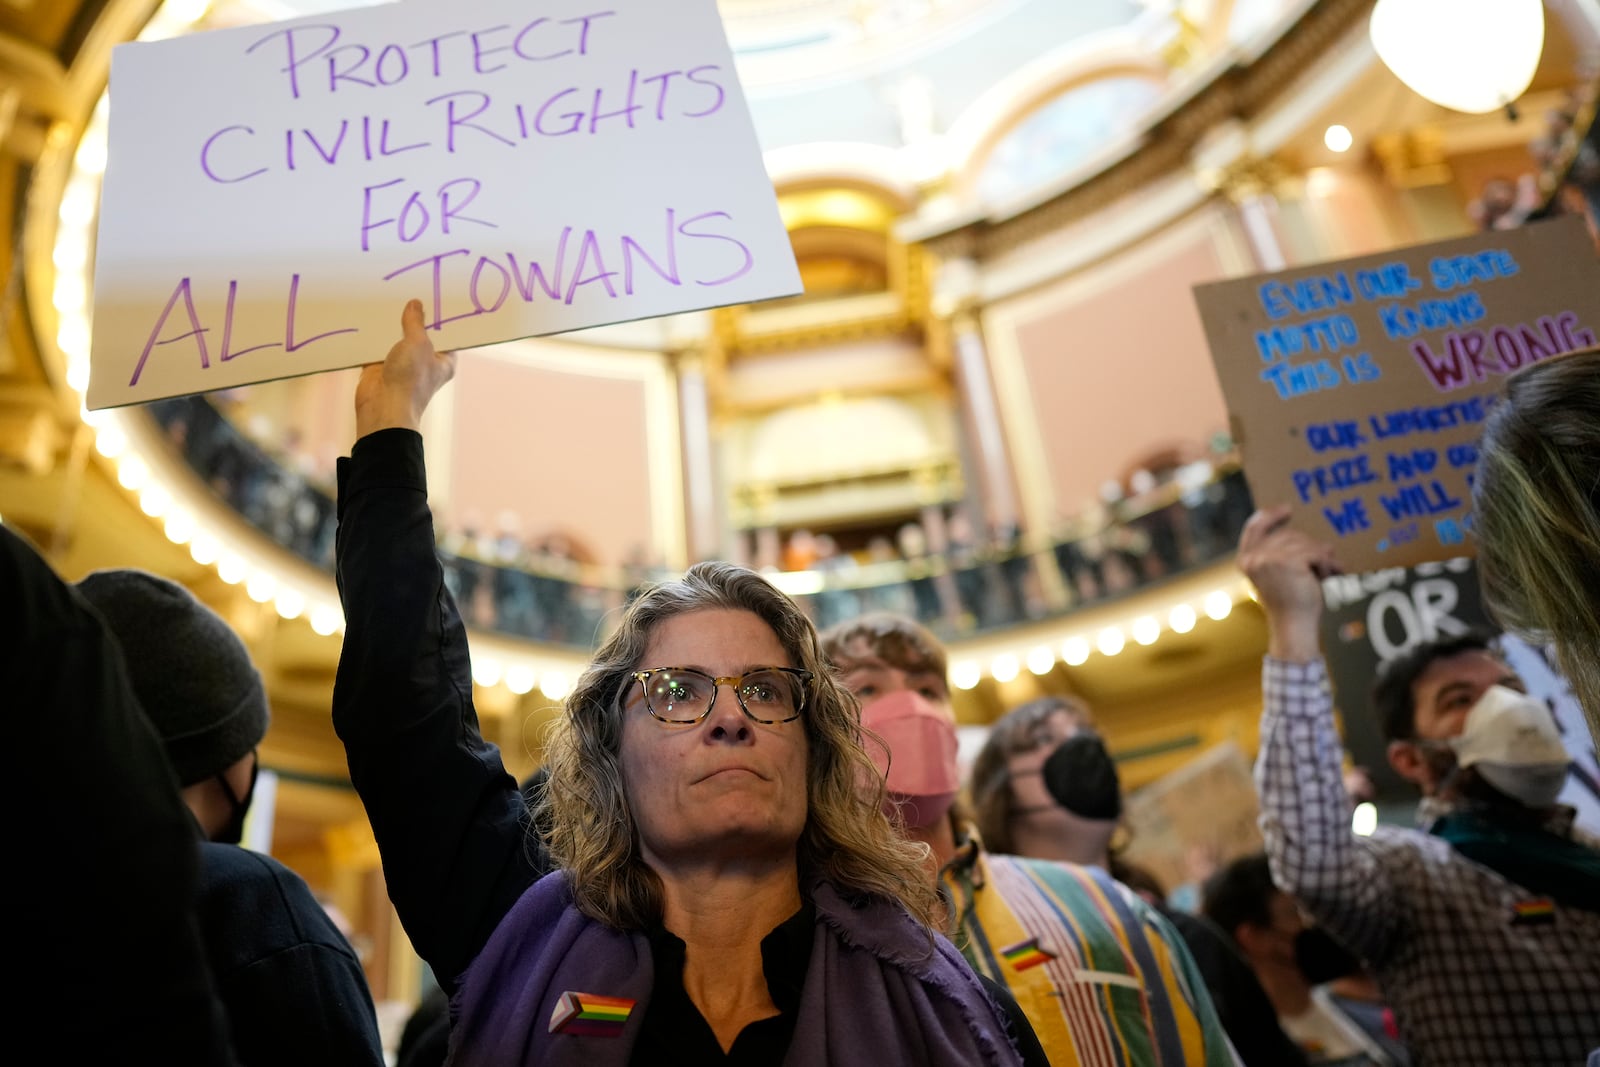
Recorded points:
(1066, 131)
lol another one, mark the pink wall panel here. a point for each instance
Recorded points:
(567, 452)
(1121, 371)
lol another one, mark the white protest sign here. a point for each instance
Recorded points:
(274, 194)
(1536, 667)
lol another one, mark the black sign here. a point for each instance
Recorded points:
(1373, 617)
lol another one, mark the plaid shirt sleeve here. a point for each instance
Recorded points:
(1305, 813)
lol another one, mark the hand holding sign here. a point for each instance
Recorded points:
(395, 393)
(1287, 567)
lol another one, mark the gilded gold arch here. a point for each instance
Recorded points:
(862, 282)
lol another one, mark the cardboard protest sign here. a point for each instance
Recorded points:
(1208, 804)
(1372, 618)
(274, 194)
(1358, 389)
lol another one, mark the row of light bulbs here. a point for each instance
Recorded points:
(206, 547)
(1075, 651)
(519, 678)
(261, 583)
(264, 586)
(1217, 605)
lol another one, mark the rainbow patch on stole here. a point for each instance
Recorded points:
(1025, 954)
(1539, 911)
(590, 1015)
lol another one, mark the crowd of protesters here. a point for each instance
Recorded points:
(752, 839)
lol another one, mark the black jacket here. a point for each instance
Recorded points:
(111, 968)
(292, 985)
(450, 823)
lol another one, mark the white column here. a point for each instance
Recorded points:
(1255, 213)
(983, 412)
(1225, 161)
(1581, 18)
(699, 473)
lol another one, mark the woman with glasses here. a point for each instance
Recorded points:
(723, 888)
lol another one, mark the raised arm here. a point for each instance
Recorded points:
(450, 824)
(1305, 814)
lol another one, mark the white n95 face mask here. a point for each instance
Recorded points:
(1512, 740)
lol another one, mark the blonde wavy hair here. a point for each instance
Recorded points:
(582, 810)
(1536, 510)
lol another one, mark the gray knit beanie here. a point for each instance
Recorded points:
(189, 670)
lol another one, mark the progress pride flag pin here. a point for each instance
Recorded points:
(590, 1015)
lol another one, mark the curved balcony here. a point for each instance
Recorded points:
(966, 590)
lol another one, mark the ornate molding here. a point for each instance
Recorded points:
(904, 311)
(1240, 90)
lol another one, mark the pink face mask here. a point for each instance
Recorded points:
(922, 776)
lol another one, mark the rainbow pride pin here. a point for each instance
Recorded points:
(1536, 912)
(1025, 954)
(590, 1015)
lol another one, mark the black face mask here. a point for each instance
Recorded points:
(1081, 776)
(232, 831)
(1321, 958)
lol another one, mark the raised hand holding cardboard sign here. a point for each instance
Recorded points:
(1358, 389)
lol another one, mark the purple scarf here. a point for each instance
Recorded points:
(877, 993)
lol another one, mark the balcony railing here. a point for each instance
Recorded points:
(958, 593)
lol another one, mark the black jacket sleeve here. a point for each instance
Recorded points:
(115, 965)
(450, 824)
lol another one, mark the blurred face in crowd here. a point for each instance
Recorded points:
(1499, 195)
(1029, 798)
(1442, 695)
(897, 673)
(1273, 943)
(726, 786)
(869, 677)
(1077, 823)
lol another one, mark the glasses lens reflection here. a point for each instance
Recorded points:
(771, 691)
(680, 695)
(683, 695)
